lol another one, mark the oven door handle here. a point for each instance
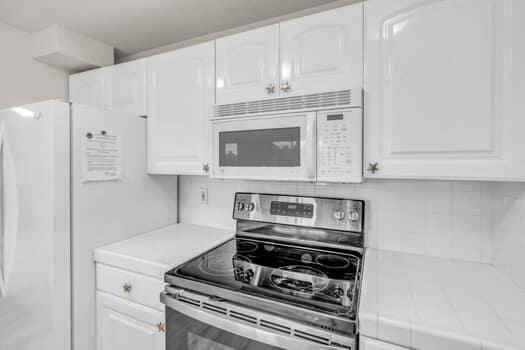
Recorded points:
(244, 330)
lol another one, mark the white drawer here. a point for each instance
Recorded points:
(131, 286)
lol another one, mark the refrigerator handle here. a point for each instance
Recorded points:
(10, 207)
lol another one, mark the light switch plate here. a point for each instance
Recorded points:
(204, 195)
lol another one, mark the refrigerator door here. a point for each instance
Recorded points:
(104, 212)
(34, 227)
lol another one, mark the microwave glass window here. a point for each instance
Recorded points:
(279, 147)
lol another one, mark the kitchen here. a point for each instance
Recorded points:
(299, 174)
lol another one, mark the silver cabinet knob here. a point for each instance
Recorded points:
(339, 214)
(373, 168)
(206, 168)
(126, 288)
(285, 87)
(161, 327)
(353, 216)
(270, 89)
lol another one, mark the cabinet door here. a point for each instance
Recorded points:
(247, 66)
(438, 94)
(125, 88)
(180, 97)
(122, 325)
(372, 344)
(322, 52)
(87, 88)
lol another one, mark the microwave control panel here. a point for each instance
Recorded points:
(340, 146)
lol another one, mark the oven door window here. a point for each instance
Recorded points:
(186, 333)
(279, 147)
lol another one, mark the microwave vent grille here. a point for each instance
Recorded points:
(342, 98)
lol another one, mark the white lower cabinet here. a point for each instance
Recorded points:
(129, 313)
(373, 344)
(123, 325)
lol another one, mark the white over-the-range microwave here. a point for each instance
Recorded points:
(316, 144)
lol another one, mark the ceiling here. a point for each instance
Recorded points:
(136, 25)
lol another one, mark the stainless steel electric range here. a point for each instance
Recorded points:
(288, 280)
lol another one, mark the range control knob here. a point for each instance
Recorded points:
(339, 214)
(353, 216)
(338, 292)
(240, 206)
(248, 275)
(251, 207)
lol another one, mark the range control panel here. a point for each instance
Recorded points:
(340, 146)
(316, 212)
(292, 209)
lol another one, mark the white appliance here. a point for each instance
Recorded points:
(51, 220)
(322, 146)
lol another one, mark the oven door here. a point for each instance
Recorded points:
(190, 327)
(279, 147)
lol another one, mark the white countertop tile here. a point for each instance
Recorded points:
(431, 303)
(154, 253)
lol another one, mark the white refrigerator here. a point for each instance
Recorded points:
(57, 205)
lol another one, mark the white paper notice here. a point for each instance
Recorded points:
(101, 156)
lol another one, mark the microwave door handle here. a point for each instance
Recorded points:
(247, 331)
(10, 208)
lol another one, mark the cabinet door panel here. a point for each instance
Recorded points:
(248, 64)
(87, 88)
(180, 96)
(122, 325)
(323, 52)
(438, 96)
(125, 88)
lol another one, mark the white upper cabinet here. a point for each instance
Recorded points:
(180, 96)
(248, 66)
(440, 76)
(119, 88)
(322, 52)
(125, 88)
(87, 88)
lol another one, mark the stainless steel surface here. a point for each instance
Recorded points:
(324, 210)
(325, 226)
(346, 324)
(258, 326)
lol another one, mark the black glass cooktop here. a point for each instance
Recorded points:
(319, 279)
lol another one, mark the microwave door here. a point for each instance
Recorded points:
(265, 148)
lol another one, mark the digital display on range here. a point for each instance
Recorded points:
(292, 209)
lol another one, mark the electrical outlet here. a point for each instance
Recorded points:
(204, 195)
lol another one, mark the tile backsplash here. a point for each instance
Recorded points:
(437, 218)
(508, 230)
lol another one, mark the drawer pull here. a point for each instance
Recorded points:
(126, 288)
(161, 327)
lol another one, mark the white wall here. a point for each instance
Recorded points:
(22, 79)
(438, 218)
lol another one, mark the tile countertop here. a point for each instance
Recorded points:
(156, 252)
(430, 303)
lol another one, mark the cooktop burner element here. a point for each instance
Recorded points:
(246, 247)
(332, 261)
(301, 267)
(299, 280)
